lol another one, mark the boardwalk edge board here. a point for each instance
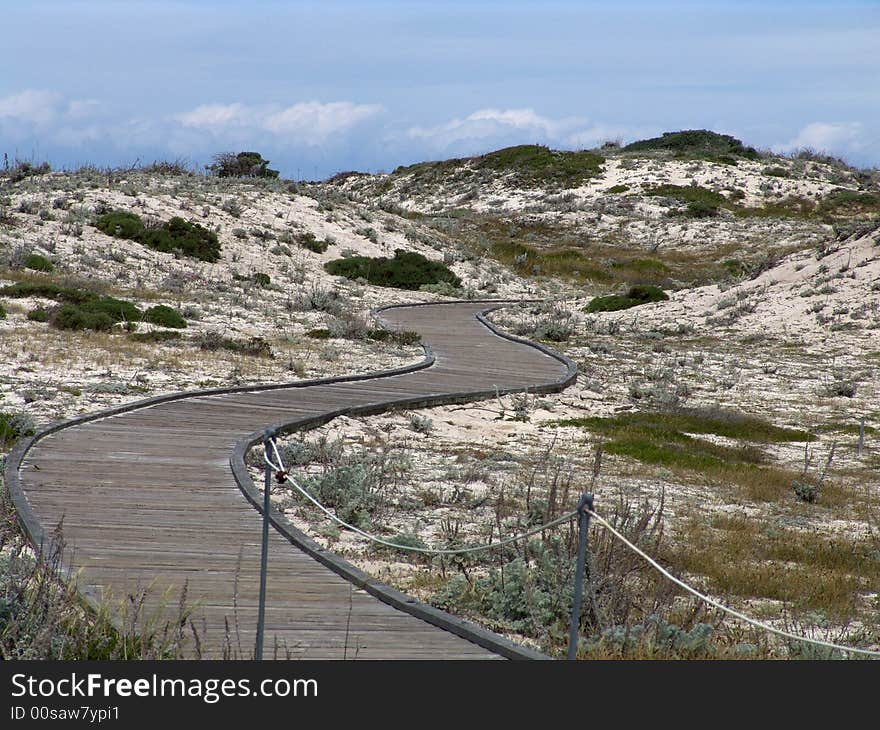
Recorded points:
(37, 533)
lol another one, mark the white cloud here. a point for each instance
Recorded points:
(487, 128)
(309, 122)
(318, 121)
(835, 137)
(37, 107)
(486, 124)
(216, 115)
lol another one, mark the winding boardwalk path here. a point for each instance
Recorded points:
(149, 497)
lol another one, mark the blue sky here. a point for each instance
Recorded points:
(319, 87)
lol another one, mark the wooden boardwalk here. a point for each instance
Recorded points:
(148, 498)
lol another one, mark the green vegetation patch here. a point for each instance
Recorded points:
(615, 189)
(697, 144)
(85, 310)
(99, 314)
(635, 296)
(531, 165)
(173, 236)
(155, 336)
(407, 270)
(538, 165)
(253, 346)
(36, 262)
(744, 556)
(164, 316)
(665, 439)
(849, 203)
(14, 426)
(46, 290)
(309, 241)
(717, 421)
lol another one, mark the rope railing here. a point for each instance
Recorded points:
(283, 476)
(726, 609)
(584, 511)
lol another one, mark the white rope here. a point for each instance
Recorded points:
(693, 591)
(721, 606)
(428, 551)
(282, 472)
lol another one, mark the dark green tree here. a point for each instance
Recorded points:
(242, 164)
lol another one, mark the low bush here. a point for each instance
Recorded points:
(121, 224)
(190, 239)
(80, 309)
(164, 316)
(538, 165)
(175, 235)
(444, 289)
(640, 294)
(72, 317)
(261, 280)
(14, 426)
(2, 311)
(253, 346)
(36, 262)
(155, 336)
(407, 270)
(68, 295)
(308, 240)
(696, 143)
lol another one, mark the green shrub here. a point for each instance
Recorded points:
(243, 164)
(308, 240)
(164, 316)
(260, 279)
(72, 317)
(121, 224)
(118, 310)
(407, 540)
(24, 289)
(407, 270)
(615, 189)
(38, 315)
(701, 209)
(443, 288)
(640, 294)
(321, 333)
(2, 311)
(533, 164)
(155, 336)
(12, 427)
(253, 346)
(36, 262)
(688, 194)
(190, 239)
(700, 143)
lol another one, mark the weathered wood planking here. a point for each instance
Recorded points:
(147, 498)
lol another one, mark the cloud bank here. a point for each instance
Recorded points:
(323, 137)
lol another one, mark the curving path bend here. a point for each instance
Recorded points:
(156, 494)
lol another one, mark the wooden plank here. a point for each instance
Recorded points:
(147, 496)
